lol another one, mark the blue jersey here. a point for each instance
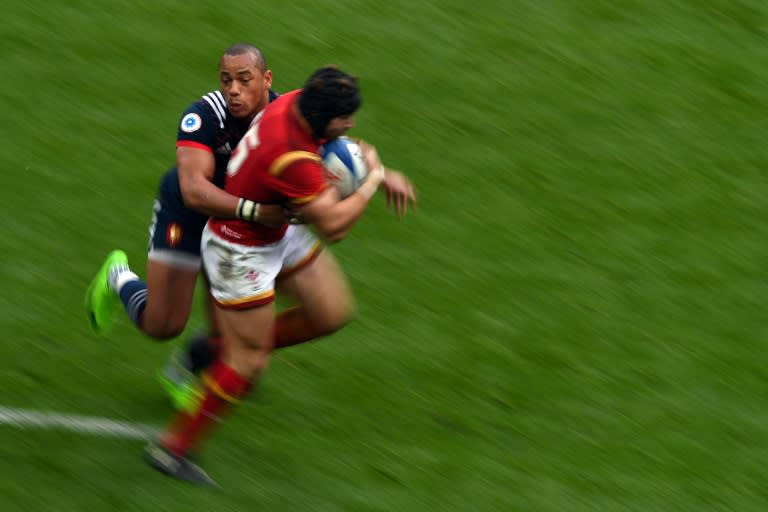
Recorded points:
(208, 125)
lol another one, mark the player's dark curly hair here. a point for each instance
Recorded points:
(328, 93)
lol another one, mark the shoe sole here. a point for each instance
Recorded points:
(180, 468)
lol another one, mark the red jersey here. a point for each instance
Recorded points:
(276, 162)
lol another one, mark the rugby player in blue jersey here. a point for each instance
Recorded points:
(188, 194)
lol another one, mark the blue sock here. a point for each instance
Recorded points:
(133, 294)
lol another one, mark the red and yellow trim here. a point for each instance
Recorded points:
(308, 259)
(253, 301)
(283, 161)
(305, 199)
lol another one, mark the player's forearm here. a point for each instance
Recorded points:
(338, 220)
(208, 199)
(335, 222)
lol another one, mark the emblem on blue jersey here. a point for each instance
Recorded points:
(174, 234)
(191, 123)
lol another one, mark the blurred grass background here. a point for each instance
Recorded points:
(573, 320)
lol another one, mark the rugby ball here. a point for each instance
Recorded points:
(344, 164)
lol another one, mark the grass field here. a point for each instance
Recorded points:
(574, 320)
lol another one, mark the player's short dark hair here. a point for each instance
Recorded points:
(329, 92)
(241, 48)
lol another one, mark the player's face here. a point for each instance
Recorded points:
(245, 86)
(339, 126)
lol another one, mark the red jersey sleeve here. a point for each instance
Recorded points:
(301, 181)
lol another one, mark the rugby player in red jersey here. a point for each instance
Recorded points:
(277, 161)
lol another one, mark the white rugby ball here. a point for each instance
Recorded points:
(344, 164)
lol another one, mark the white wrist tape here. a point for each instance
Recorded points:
(247, 210)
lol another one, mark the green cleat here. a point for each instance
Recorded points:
(100, 299)
(180, 384)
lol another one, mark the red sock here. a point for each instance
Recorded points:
(223, 387)
(292, 328)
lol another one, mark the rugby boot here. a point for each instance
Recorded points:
(179, 382)
(181, 468)
(101, 300)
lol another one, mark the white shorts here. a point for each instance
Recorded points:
(243, 276)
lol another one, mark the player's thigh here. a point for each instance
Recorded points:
(173, 262)
(322, 288)
(170, 293)
(241, 282)
(242, 285)
(210, 310)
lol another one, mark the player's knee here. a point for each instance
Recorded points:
(162, 328)
(248, 357)
(255, 363)
(164, 333)
(335, 318)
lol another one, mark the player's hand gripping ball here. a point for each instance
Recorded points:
(344, 164)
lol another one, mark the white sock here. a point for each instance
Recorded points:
(120, 279)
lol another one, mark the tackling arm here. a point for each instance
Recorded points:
(196, 169)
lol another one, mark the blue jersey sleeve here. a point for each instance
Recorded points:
(200, 125)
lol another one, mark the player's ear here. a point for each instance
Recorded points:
(268, 78)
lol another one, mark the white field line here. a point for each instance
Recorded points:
(104, 427)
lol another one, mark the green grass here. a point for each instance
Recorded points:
(573, 320)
